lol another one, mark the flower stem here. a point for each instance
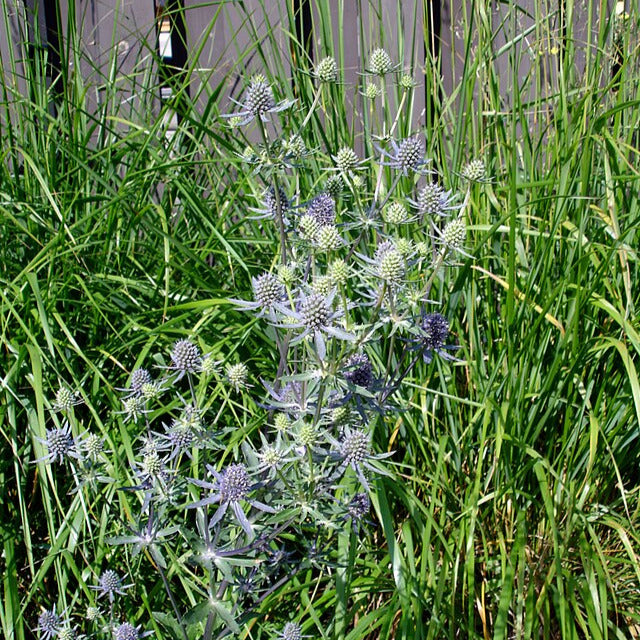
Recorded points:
(276, 189)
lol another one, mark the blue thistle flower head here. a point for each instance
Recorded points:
(126, 631)
(185, 357)
(60, 445)
(359, 507)
(139, 378)
(110, 584)
(49, 624)
(431, 337)
(322, 209)
(258, 102)
(230, 488)
(291, 631)
(358, 370)
(405, 156)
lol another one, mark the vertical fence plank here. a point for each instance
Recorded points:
(13, 39)
(207, 39)
(118, 39)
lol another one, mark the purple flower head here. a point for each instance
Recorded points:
(406, 156)
(359, 507)
(431, 336)
(60, 445)
(358, 370)
(231, 488)
(314, 314)
(126, 631)
(49, 624)
(272, 205)
(322, 209)
(185, 358)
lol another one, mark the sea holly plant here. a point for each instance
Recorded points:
(347, 297)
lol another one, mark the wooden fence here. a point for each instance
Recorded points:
(211, 36)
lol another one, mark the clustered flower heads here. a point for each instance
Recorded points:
(251, 474)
